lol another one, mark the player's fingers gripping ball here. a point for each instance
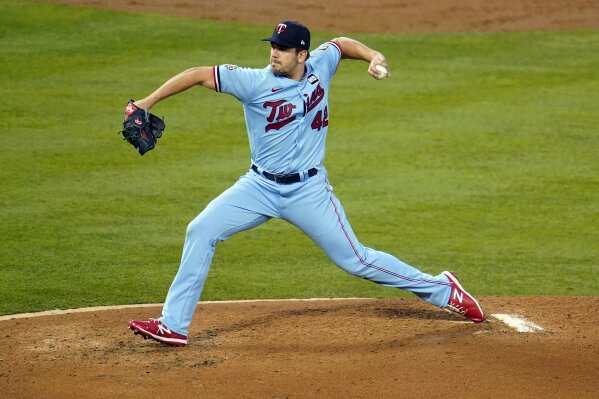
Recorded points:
(381, 72)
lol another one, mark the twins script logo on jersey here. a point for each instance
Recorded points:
(314, 99)
(281, 111)
(280, 114)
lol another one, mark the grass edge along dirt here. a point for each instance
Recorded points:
(477, 156)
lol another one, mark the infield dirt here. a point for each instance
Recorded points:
(386, 16)
(366, 348)
(370, 348)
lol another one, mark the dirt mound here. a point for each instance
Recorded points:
(369, 348)
(349, 16)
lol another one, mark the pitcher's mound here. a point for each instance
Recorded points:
(366, 348)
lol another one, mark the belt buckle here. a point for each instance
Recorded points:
(278, 178)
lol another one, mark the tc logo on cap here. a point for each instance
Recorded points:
(281, 28)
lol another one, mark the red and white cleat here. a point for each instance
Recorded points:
(461, 302)
(154, 329)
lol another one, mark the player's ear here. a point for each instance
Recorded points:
(302, 55)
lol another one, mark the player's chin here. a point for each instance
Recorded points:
(281, 72)
(277, 69)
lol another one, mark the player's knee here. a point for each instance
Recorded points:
(350, 263)
(192, 229)
(198, 231)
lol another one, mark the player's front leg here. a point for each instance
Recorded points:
(321, 216)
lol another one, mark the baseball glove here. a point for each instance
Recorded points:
(141, 128)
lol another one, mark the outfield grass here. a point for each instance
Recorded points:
(478, 156)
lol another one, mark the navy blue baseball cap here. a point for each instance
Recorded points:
(290, 34)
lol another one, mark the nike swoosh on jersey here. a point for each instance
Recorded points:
(275, 89)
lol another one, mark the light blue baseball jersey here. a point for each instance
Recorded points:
(287, 123)
(287, 120)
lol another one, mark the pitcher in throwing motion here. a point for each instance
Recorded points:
(287, 115)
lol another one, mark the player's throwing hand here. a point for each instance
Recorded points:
(378, 67)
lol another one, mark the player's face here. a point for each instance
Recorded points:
(287, 61)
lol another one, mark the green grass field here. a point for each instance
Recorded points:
(478, 156)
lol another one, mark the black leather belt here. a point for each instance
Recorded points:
(285, 179)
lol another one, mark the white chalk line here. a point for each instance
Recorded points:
(518, 323)
(57, 312)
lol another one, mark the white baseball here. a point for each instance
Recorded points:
(382, 72)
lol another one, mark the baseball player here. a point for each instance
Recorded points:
(287, 116)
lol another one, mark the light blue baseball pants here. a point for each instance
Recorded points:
(313, 208)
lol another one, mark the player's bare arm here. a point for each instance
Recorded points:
(198, 76)
(355, 50)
